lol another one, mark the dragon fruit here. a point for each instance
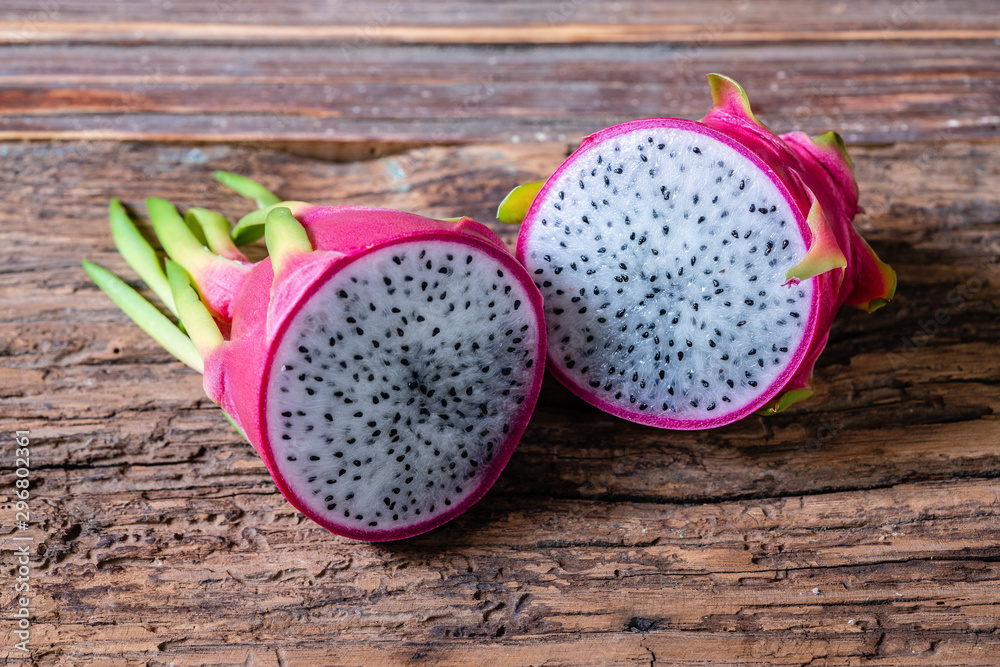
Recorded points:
(690, 270)
(383, 365)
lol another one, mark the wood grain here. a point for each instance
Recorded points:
(861, 527)
(144, 32)
(32, 16)
(341, 74)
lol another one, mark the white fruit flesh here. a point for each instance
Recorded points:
(395, 385)
(661, 256)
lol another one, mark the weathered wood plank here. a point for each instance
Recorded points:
(31, 19)
(806, 572)
(871, 93)
(877, 72)
(145, 32)
(860, 527)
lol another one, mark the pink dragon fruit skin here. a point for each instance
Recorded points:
(440, 325)
(813, 169)
(236, 373)
(814, 176)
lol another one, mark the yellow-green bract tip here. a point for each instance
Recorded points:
(139, 254)
(831, 139)
(250, 227)
(784, 401)
(216, 230)
(247, 188)
(730, 97)
(193, 314)
(144, 314)
(824, 254)
(285, 236)
(177, 239)
(515, 205)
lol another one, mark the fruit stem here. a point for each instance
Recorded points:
(216, 230)
(145, 314)
(139, 254)
(285, 237)
(245, 187)
(192, 311)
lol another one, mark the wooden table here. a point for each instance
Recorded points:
(861, 527)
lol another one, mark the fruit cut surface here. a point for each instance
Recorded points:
(399, 388)
(660, 250)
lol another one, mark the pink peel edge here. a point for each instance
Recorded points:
(801, 354)
(501, 458)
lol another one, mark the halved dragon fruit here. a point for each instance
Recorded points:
(384, 365)
(691, 270)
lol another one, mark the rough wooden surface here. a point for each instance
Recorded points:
(860, 528)
(461, 71)
(863, 524)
